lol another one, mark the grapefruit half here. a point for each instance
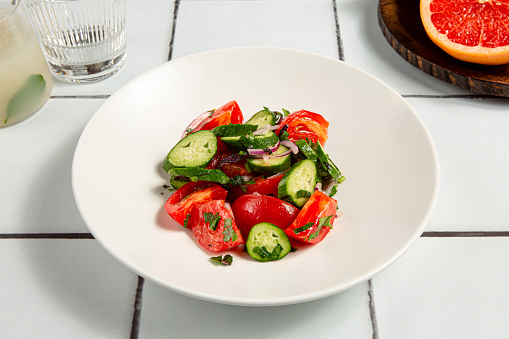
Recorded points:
(475, 31)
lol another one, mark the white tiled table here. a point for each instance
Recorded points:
(58, 282)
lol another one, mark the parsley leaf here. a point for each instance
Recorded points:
(212, 220)
(229, 233)
(226, 261)
(333, 191)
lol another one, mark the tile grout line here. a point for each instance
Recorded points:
(372, 311)
(174, 24)
(449, 96)
(464, 234)
(46, 236)
(97, 96)
(135, 325)
(341, 53)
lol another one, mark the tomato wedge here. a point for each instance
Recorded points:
(182, 201)
(315, 219)
(214, 227)
(229, 113)
(252, 209)
(305, 124)
(260, 185)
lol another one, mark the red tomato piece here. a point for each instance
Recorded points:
(305, 124)
(222, 149)
(315, 219)
(182, 201)
(252, 209)
(232, 169)
(214, 227)
(261, 185)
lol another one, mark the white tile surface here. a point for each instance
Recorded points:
(471, 140)
(305, 25)
(149, 26)
(446, 288)
(167, 314)
(366, 47)
(63, 289)
(36, 192)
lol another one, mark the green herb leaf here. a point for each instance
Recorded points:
(212, 220)
(333, 191)
(226, 261)
(27, 96)
(263, 252)
(325, 221)
(286, 112)
(186, 220)
(303, 228)
(229, 232)
(237, 180)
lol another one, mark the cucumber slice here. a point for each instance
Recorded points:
(272, 165)
(233, 143)
(241, 143)
(195, 150)
(234, 130)
(306, 150)
(262, 118)
(260, 141)
(301, 177)
(178, 181)
(267, 242)
(200, 174)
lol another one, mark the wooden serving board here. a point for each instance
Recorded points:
(401, 25)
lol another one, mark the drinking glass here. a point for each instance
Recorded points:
(25, 79)
(83, 40)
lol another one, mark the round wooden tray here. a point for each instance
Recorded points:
(401, 25)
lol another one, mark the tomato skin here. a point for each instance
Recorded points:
(318, 206)
(232, 169)
(182, 201)
(305, 124)
(261, 185)
(213, 240)
(252, 209)
(229, 113)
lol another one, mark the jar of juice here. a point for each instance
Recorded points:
(25, 78)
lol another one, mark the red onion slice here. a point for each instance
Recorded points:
(291, 146)
(262, 130)
(261, 151)
(198, 122)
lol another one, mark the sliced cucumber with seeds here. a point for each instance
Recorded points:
(301, 177)
(195, 150)
(262, 118)
(274, 164)
(267, 242)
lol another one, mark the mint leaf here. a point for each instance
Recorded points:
(325, 221)
(212, 220)
(186, 220)
(229, 232)
(226, 261)
(303, 228)
(26, 97)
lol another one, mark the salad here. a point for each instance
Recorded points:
(266, 183)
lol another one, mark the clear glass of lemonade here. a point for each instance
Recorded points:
(25, 78)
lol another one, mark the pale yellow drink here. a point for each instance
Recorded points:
(25, 79)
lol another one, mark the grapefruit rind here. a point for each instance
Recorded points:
(475, 54)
